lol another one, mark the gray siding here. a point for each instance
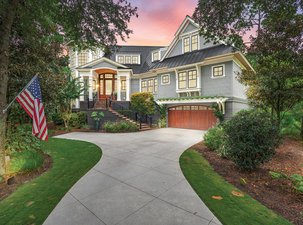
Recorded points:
(104, 64)
(177, 50)
(190, 28)
(167, 91)
(238, 88)
(234, 106)
(204, 44)
(134, 86)
(217, 86)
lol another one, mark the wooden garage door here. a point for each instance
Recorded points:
(191, 117)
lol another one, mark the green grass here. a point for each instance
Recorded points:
(32, 202)
(25, 161)
(231, 210)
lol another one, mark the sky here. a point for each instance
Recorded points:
(158, 21)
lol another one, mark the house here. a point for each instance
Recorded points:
(189, 76)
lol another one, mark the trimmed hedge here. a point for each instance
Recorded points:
(120, 127)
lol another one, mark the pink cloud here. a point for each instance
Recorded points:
(158, 21)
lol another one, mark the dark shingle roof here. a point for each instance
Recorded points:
(179, 60)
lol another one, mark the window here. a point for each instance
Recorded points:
(182, 80)
(194, 42)
(187, 79)
(120, 59)
(165, 79)
(123, 85)
(128, 59)
(143, 86)
(149, 85)
(218, 71)
(156, 56)
(156, 85)
(186, 45)
(135, 59)
(82, 58)
(192, 79)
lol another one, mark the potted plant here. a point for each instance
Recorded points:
(97, 116)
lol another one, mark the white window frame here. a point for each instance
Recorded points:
(167, 74)
(131, 57)
(189, 35)
(212, 71)
(153, 60)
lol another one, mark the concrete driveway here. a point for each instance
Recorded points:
(138, 181)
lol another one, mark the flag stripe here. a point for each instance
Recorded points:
(24, 105)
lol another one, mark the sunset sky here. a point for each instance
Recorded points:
(158, 20)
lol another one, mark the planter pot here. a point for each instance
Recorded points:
(97, 125)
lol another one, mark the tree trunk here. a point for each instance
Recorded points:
(302, 128)
(5, 34)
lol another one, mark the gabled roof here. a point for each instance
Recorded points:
(143, 51)
(192, 57)
(183, 25)
(102, 59)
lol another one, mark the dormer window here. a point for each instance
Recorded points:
(155, 56)
(190, 43)
(128, 59)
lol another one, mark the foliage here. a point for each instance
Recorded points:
(78, 120)
(25, 161)
(252, 138)
(230, 210)
(120, 127)
(218, 113)
(297, 180)
(126, 112)
(215, 139)
(97, 116)
(71, 160)
(189, 98)
(162, 110)
(20, 138)
(276, 175)
(57, 118)
(292, 122)
(143, 103)
(239, 17)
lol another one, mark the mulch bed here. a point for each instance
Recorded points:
(13, 182)
(277, 195)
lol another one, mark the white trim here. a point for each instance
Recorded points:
(103, 59)
(127, 88)
(131, 55)
(153, 60)
(212, 71)
(211, 100)
(167, 74)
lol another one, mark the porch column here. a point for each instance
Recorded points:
(118, 88)
(90, 89)
(82, 93)
(127, 89)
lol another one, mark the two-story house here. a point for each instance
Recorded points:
(188, 76)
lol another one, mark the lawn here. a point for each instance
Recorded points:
(231, 209)
(32, 202)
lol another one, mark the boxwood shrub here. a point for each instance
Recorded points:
(215, 140)
(251, 138)
(120, 127)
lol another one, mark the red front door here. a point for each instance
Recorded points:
(107, 85)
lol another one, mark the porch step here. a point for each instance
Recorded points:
(100, 104)
(144, 126)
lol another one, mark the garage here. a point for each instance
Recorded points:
(191, 117)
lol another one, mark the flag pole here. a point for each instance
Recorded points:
(9, 105)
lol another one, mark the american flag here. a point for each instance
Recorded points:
(31, 101)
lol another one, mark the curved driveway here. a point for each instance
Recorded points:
(138, 181)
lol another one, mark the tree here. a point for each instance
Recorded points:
(275, 50)
(41, 24)
(143, 103)
(229, 20)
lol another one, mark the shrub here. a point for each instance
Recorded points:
(120, 126)
(252, 138)
(215, 139)
(143, 103)
(25, 161)
(78, 120)
(126, 112)
(20, 138)
(57, 119)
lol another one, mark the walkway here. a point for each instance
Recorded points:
(138, 181)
